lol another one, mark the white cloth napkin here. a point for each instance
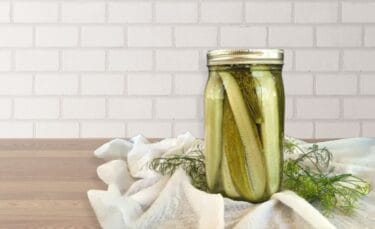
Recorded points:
(137, 197)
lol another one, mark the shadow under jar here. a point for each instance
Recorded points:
(244, 123)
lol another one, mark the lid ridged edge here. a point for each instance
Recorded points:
(245, 56)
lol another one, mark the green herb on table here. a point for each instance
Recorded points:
(192, 163)
(307, 172)
(311, 177)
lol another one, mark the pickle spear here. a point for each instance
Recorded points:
(270, 127)
(243, 150)
(226, 179)
(213, 128)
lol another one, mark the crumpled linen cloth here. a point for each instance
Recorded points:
(137, 197)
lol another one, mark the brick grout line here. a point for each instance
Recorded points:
(314, 129)
(185, 48)
(341, 108)
(34, 129)
(125, 129)
(80, 129)
(106, 12)
(12, 109)
(106, 108)
(243, 11)
(363, 35)
(292, 16)
(267, 36)
(60, 53)
(59, 12)
(218, 36)
(11, 6)
(125, 91)
(280, 24)
(339, 12)
(314, 85)
(199, 12)
(359, 81)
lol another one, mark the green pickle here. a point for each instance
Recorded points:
(244, 123)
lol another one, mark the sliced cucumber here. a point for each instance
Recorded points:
(241, 143)
(270, 128)
(214, 96)
(226, 179)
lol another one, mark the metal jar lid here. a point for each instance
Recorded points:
(244, 56)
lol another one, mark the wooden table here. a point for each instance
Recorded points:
(43, 183)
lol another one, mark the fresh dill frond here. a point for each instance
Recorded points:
(192, 162)
(311, 177)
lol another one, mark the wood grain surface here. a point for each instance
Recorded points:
(44, 183)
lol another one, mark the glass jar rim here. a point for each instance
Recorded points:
(244, 56)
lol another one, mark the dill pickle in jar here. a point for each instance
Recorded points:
(244, 123)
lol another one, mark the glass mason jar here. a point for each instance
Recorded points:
(244, 123)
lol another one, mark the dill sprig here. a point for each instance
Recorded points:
(192, 162)
(307, 172)
(311, 177)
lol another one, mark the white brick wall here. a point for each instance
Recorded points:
(298, 84)
(4, 12)
(370, 36)
(149, 36)
(6, 108)
(56, 36)
(176, 108)
(221, 12)
(280, 36)
(268, 12)
(102, 36)
(36, 108)
(121, 108)
(5, 60)
(37, 60)
(83, 108)
(35, 12)
(83, 12)
(357, 11)
(176, 12)
(56, 84)
(243, 36)
(346, 84)
(338, 36)
(177, 60)
(102, 129)
(317, 108)
(116, 68)
(150, 129)
(367, 84)
(130, 60)
(196, 36)
(20, 36)
(317, 60)
(56, 129)
(129, 12)
(337, 129)
(102, 84)
(149, 84)
(16, 84)
(315, 12)
(363, 108)
(83, 60)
